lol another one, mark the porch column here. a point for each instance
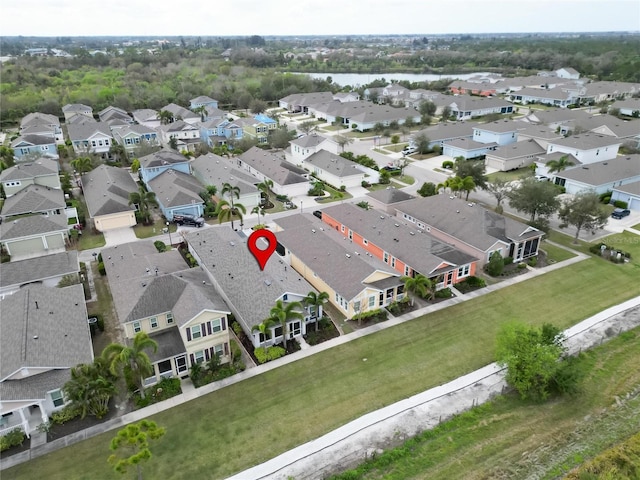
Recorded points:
(43, 414)
(25, 422)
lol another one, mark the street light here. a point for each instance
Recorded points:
(95, 256)
(169, 230)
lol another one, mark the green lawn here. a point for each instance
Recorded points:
(636, 227)
(509, 438)
(398, 147)
(147, 231)
(253, 421)
(408, 179)
(335, 195)
(511, 175)
(555, 254)
(90, 240)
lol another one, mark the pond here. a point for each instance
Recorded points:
(357, 79)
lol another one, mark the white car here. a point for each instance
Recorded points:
(541, 178)
(409, 150)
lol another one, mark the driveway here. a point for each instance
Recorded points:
(118, 236)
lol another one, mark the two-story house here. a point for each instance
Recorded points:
(106, 192)
(147, 117)
(133, 136)
(44, 334)
(29, 147)
(180, 113)
(43, 171)
(176, 306)
(42, 124)
(114, 115)
(177, 193)
(202, 101)
(156, 163)
(77, 109)
(90, 138)
(287, 179)
(187, 135)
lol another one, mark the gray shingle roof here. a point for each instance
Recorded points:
(420, 251)
(37, 118)
(32, 140)
(586, 141)
(324, 252)
(76, 107)
(249, 292)
(41, 167)
(175, 189)
(31, 270)
(107, 189)
(163, 157)
(601, 173)
(473, 225)
(468, 144)
(44, 327)
(202, 99)
(389, 196)
(333, 164)
(503, 126)
(169, 342)
(518, 149)
(145, 115)
(32, 225)
(179, 111)
(82, 131)
(308, 141)
(631, 188)
(217, 171)
(447, 131)
(273, 166)
(33, 199)
(36, 386)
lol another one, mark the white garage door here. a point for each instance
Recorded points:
(634, 204)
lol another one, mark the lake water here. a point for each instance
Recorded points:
(357, 79)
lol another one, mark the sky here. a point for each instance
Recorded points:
(312, 17)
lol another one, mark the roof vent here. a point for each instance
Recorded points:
(267, 283)
(397, 225)
(347, 255)
(313, 230)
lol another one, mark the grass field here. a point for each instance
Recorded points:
(510, 438)
(511, 175)
(257, 419)
(148, 231)
(555, 254)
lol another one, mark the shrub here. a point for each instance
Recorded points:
(166, 388)
(365, 184)
(101, 269)
(508, 260)
(620, 204)
(343, 188)
(13, 438)
(100, 322)
(363, 204)
(428, 189)
(606, 199)
(66, 414)
(495, 267)
(444, 293)
(533, 261)
(447, 164)
(160, 246)
(270, 353)
(474, 281)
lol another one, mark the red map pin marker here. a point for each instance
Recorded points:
(262, 256)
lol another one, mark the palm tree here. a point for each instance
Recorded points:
(90, 388)
(201, 110)
(419, 285)
(144, 200)
(343, 141)
(468, 185)
(283, 312)
(226, 211)
(317, 300)
(165, 117)
(559, 165)
(265, 328)
(82, 165)
(265, 186)
(257, 209)
(132, 360)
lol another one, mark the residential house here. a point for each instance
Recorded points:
(180, 113)
(408, 250)
(587, 148)
(133, 136)
(249, 291)
(177, 193)
(307, 145)
(600, 176)
(77, 109)
(211, 113)
(471, 228)
(34, 236)
(28, 147)
(543, 160)
(355, 281)
(629, 107)
(44, 334)
(627, 131)
(106, 193)
(540, 133)
(461, 87)
(386, 200)
(554, 119)
(266, 120)
(187, 135)
(362, 115)
(47, 270)
(91, 138)
(442, 133)
(202, 101)
(115, 114)
(419, 95)
(287, 179)
(597, 92)
(467, 149)
(210, 169)
(557, 97)
(300, 102)
(34, 199)
(567, 72)
(43, 171)
(501, 133)
(147, 117)
(346, 97)
(629, 193)
(466, 107)
(515, 155)
(42, 124)
(176, 306)
(337, 171)
(156, 163)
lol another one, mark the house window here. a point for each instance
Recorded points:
(350, 235)
(372, 301)
(406, 270)
(386, 257)
(57, 398)
(154, 322)
(463, 271)
(169, 318)
(218, 350)
(136, 327)
(342, 228)
(356, 306)
(216, 325)
(199, 356)
(196, 332)
(393, 262)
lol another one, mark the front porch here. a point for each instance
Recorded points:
(27, 418)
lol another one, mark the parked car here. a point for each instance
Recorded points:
(409, 150)
(620, 213)
(186, 219)
(318, 214)
(542, 178)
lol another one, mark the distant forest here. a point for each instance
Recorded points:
(257, 70)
